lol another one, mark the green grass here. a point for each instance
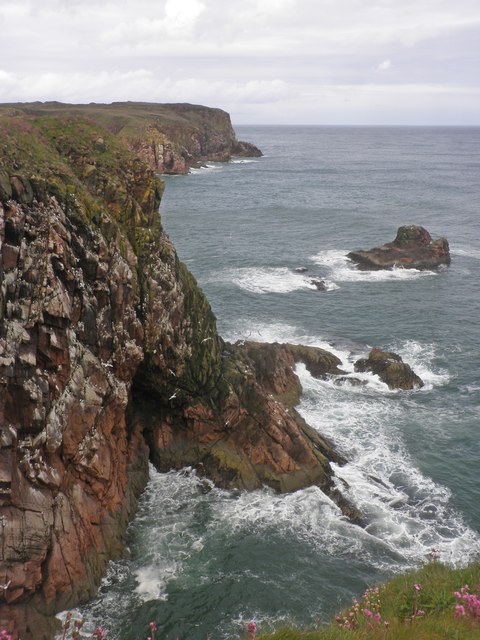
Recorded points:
(399, 601)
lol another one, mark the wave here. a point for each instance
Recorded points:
(405, 509)
(341, 269)
(272, 280)
(206, 168)
(421, 358)
(243, 161)
(469, 252)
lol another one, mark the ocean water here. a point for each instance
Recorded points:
(202, 564)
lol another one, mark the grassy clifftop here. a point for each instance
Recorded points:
(169, 137)
(79, 162)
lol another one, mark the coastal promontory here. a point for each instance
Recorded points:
(110, 356)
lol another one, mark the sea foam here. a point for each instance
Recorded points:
(339, 268)
(271, 280)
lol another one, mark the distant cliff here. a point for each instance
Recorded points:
(170, 138)
(110, 357)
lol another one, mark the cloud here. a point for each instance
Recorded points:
(140, 84)
(385, 65)
(241, 54)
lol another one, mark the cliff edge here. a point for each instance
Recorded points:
(170, 138)
(109, 358)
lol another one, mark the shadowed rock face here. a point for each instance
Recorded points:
(413, 248)
(109, 356)
(252, 435)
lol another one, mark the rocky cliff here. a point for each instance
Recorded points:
(109, 358)
(170, 138)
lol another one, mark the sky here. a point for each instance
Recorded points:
(334, 62)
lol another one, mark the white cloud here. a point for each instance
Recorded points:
(272, 56)
(385, 65)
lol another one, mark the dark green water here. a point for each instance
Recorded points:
(203, 564)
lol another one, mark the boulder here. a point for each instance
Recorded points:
(390, 368)
(413, 248)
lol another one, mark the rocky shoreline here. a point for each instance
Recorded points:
(110, 358)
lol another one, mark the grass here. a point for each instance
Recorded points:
(415, 606)
(420, 605)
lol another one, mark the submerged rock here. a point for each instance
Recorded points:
(413, 248)
(391, 369)
(320, 284)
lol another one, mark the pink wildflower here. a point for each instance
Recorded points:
(368, 613)
(377, 617)
(417, 587)
(4, 635)
(251, 630)
(459, 610)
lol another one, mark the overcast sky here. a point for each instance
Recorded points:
(263, 61)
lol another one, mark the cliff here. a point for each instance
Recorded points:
(170, 138)
(109, 358)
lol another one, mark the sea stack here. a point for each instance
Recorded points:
(413, 248)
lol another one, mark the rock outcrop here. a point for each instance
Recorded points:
(413, 248)
(170, 138)
(109, 357)
(391, 369)
(251, 435)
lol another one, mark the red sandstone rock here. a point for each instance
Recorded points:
(413, 248)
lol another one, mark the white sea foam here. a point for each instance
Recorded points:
(470, 252)
(243, 161)
(421, 358)
(341, 269)
(205, 168)
(167, 543)
(405, 509)
(271, 280)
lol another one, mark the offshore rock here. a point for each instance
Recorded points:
(413, 248)
(109, 358)
(391, 369)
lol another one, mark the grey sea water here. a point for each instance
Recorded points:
(202, 564)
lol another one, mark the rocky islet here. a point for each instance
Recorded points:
(413, 248)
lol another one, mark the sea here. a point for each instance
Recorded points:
(254, 232)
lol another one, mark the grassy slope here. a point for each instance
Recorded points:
(80, 163)
(398, 600)
(134, 122)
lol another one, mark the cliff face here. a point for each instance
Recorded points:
(109, 357)
(170, 138)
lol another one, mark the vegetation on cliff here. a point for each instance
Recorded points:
(170, 138)
(435, 602)
(109, 356)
